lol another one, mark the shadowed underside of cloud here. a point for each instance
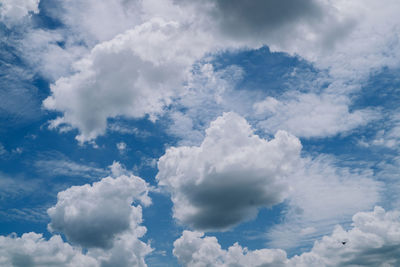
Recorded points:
(373, 240)
(99, 218)
(229, 176)
(234, 172)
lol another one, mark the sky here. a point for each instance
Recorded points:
(199, 133)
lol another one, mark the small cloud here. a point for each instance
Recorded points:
(121, 147)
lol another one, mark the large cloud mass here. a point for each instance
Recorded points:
(229, 176)
(132, 75)
(93, 215)
(374, 240)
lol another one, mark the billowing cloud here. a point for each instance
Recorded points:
(32, 250)
(233, 173)
(193, 249)
(229, 176)
(100, 222)
(373, 240)
(93, 215)
(132, 75)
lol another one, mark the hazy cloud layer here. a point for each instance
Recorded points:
(11, 11)
(229, 176)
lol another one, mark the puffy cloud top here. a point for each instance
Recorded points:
(93, 215)
(374, 240)
(131, 75)
(32, 249)
(229, 176)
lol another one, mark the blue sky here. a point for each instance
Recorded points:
(212, 133)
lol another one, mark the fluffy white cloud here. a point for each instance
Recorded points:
(13, 10)
(93, 215)
(229, 176)
(193, 249)
(373, 240)
(311, 115)
(99, 218)
(150, 73)
(132, 75)
(233, 173)
(33, 250)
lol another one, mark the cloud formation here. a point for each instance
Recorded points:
(11, 11)
(132, 75)
(100, 222)
(32, 249)
(311, 115)
(229, 176)
(93, 215)
(373, 240)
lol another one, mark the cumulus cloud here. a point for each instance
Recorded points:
(373, 240)
(233, 173)
(193, 249)
(32, 249)
(132, 75)
(228, 177)
(311, 115)
(100, 222)
(11, 11)
(93, 215)
(150, 76)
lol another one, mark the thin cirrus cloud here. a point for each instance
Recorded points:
(373, 240)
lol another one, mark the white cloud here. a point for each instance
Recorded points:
(373, 240)
(11, 11)
(229, 176)
(148, 76)
(193, 249)
(66, 167)
(311, 115)
(233, 173)
(100, 222)
(322, 195)
(151, 73)
(32, 249)
(93, 215)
